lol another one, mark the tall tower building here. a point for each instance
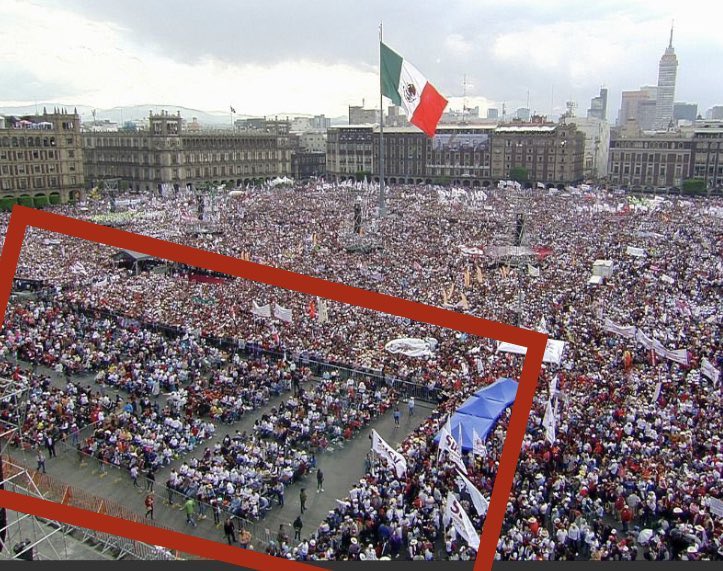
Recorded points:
(667, 72)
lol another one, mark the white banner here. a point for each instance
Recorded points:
(549, 422)
(636, 252)
(716, 506)
(261, 310)
(479, 501)
(448, 445)
(656, 393)
(412, 347)
(454, 512)
(643, 339)
(625, 331)
(282, 313)
(553, 350)
(677, 355)
(708, 370)
(533, 271)
(478, 445)
(323, 313)
(395, 459)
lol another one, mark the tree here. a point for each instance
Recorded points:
(519, 174)
(694, 186)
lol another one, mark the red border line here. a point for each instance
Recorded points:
(22, 217)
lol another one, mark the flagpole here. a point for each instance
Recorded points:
(382, 198)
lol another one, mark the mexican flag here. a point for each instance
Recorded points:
(408, 88)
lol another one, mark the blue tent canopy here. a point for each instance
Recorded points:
(480, 412)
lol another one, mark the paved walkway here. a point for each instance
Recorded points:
(342, 467)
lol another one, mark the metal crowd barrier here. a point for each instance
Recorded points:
(318, 367)
(59, 492)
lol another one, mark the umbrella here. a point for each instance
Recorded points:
(645, 535)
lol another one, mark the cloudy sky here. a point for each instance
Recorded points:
(319, 56)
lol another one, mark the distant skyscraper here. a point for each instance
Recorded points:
(685, 112)
(667, 72)
(636, 105)
(492, 113)
(522, 114)
(599, 106)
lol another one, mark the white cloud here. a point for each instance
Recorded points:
(457, 45)
(100, 67)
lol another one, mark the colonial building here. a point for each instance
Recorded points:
(708, 153)
(548, 153)
(655, 160)
(164, 154)
(467, 155)
(349, 151)
(41, 159)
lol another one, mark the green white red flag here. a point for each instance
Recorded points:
(407, 87)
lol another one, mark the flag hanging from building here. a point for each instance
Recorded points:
(408, 88)
(395, 459)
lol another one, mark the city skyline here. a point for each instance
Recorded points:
(313, 61)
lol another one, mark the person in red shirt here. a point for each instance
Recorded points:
(626, 516)
(150, 501)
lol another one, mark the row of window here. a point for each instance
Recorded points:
(190, 143)
(20, 170)
(31, 155)
(37, 182)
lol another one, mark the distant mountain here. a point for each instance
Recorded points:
(128, 113)
(140, 112)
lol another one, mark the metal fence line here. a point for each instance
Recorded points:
(65, 494)
(318, 367)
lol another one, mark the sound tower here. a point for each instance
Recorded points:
(357, 218)
(3, 512)
(519, 228)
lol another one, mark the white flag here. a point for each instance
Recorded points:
(394, 458)
(533, 271)
(542, 327)
(677, 355)
(323, 313)
(282, 313)
(549, 423)
(479, 501)
(612, 327)
(553, 386)
(708, 370)
(454, 513)
(261, 310)
(656, 393)
(448, 445)
(478, 445)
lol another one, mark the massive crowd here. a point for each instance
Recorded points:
(637, 455)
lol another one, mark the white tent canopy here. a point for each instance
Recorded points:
(603, 268)
(553, 351)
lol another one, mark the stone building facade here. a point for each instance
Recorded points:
(41, 159)
(164, 154)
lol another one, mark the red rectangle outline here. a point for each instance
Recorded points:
(535, 342)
